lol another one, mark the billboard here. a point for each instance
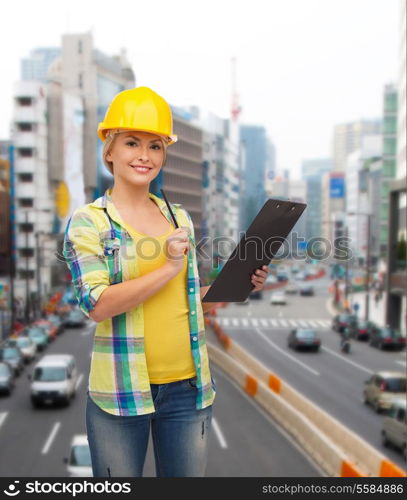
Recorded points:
(337, 187)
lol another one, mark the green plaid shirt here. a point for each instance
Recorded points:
(100, 252)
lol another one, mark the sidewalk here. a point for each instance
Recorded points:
(377, 311)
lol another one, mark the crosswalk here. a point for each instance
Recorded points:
(273, 323)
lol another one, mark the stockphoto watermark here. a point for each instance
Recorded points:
(221, 248)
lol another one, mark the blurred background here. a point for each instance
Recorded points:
(302, 101)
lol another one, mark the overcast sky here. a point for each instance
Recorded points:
(302, 65)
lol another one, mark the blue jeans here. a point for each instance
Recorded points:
(180, 433)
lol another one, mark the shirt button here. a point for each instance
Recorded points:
(194, 338)
(109, 251)
(190, 264)
(191, 289)
(86, 285)
(193, 312)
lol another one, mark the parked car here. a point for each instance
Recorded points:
(258, 295)
(243, 303)
(13, 355)
(6, 378)
(306, 290)
(383, 388)
(38, 335)
(278, 298)
(271, 279)
(54, 380)
(79, 462)
(57, 321)
(394, 427)
(75, 318)
(291, 288)
(48, 326)
(27, 346)
(303, 338)
(361, 329)
(387, 338)
(342, 321)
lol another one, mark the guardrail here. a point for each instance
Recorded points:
(338, 450)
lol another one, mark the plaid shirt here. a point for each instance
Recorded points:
(100, 252)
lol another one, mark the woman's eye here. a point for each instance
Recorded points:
(131, 143)
(156, 146)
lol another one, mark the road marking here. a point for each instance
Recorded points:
(48, 444)
(79, 381)
(366, 370)
(245, 322)
(3, 417)
(321, 323)
(286, 353)
(235, 322)
(402, 363)
(303, 323)
(225, 321)
(219, 434)
(264, 322)
(255, 322)
(87, 331)
(284, 323)
(274, 322)
(313, 323)
(280, 312)
(293, 322)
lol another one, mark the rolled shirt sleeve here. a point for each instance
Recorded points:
(84, 257)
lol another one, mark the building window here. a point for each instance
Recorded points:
(25, 101)
(26, 252)
(23, 274)
(389, 147)
(26, 202)
(26, 227)
(80, 80)
(80, 47)
(25, 177)
(25, 127)
(26, 152)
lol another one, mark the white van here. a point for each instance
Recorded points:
(394, 428)
(54, 380)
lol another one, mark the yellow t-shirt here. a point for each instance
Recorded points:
(166, 326)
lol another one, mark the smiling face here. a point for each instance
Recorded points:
(137, 157)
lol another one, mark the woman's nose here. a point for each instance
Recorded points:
(143, 153)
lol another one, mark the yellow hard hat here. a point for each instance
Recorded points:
(139, 109)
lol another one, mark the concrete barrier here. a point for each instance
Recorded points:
(322, 449)
(360, 455)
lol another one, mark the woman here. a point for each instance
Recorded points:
(136, 275)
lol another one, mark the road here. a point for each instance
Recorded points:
(244, 441)
(332, 380)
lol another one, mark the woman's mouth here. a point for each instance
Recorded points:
(140, 169)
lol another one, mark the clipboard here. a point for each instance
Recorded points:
(256, 248)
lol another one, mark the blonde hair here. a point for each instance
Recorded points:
(108, 145)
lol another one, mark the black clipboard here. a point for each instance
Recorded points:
(256, 248)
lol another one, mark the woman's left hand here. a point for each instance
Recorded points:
(259, 278)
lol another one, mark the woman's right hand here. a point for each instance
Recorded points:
(177, 246)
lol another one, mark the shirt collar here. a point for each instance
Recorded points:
(105, 201)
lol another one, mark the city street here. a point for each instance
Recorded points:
(244, 440)
(332, 380)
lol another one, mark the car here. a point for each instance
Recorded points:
(6, 378)
(361, 329)
(258, 295)
(383, 388)
(282, 276)
(304, 338)
(387, 338)
(38, 335)
(48, 326)
(26, 344)
(13, 355)
(278, 298)
(54, 380)
(271, 279)
(79, 462)
(244, 302)
(342, 321)
(75, 318)
(291, 288)
(57, 321)
(306, 290)
(394, 427)
(300, 276)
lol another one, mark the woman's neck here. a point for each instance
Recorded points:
(129, 196)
